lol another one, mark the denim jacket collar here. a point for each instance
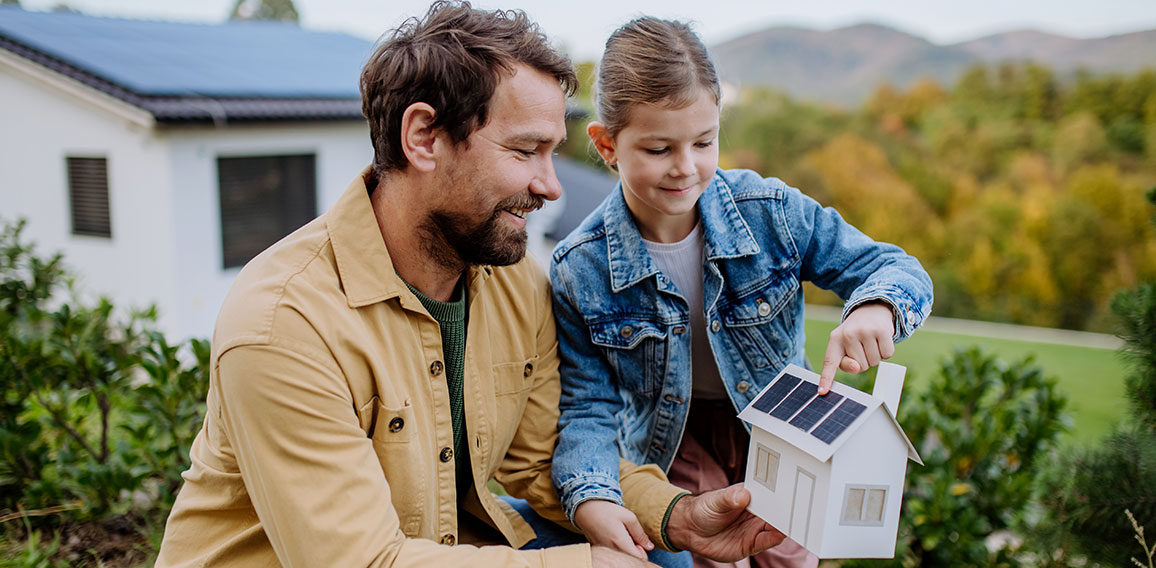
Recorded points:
(725, 232)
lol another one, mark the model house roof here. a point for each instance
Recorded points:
(184, 72)
(790, 408)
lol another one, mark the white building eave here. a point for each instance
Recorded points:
(75, 89)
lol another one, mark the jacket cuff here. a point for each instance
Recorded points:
(907, 314)
(650, 497)
(666, 519)
(580, 489)
(568, 556)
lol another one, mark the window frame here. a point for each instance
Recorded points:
(862, 520)
(89, 195)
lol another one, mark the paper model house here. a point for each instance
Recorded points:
(828, 470)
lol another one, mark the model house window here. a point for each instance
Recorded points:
(863, 505)
(263, 198)
(767, 466)
(88, 196)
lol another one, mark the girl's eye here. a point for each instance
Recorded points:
(656, 151)
(706, 144)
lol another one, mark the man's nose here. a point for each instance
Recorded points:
(546, 183)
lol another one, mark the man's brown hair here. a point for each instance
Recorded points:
(453, 60)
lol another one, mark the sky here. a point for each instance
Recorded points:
(581, 27)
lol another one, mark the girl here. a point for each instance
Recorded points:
(678, 299)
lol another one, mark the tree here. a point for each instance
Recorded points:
(274, 10)
(1086, 493)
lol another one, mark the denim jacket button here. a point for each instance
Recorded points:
(679, 330)
(743, 386)
(715, 326)
(626, 332)
(764, 309)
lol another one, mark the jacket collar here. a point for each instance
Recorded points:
(363, 261)
(726, 234)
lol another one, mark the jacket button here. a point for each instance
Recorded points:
(529, 370)
(436, 368)
(449, 540)
(743, 386)
(396, 424)
(447, 454)
(715, 326)
(672, 399)
(627, 331)
(764, 308)
(679, 330)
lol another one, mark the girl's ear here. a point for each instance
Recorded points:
(419, 138)
(603, 142)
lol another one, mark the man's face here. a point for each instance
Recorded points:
(504, 171)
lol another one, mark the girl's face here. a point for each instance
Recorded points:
(666, 158)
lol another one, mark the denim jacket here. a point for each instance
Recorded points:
(623, 326)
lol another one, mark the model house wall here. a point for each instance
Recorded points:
(829, 476)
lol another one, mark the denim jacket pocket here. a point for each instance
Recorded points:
(636, 349)
(761, 322)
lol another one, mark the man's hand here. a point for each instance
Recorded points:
(717, 525)
(609, 524)
(859, 343)
(602, 557)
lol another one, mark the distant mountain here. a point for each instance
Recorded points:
(845, 65)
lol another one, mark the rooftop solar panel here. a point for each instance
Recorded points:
(795, 400)
(777, 392)
(232, 59)
(838, 421)
(816, 410)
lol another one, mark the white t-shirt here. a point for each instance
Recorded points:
(682, 263)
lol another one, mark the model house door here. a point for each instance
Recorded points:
(801, 505)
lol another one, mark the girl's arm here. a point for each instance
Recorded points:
(586, 462)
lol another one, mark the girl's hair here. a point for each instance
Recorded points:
(651, 61)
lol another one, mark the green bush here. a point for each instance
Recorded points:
(983, 429)
(97, 409)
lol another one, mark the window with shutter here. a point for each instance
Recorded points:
(88, 196)
(263, 198)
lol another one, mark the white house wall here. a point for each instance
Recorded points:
(342, 150)
(776, 507)
(875, 455)
(43, 119)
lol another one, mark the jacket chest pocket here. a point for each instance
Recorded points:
(392, 431)
(761, 324)
(636, 350)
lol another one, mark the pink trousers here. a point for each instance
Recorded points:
(713, 455)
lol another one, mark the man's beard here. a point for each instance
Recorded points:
(453, 239)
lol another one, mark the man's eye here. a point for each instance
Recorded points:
(526, 153)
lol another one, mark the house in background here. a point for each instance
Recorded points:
(828, 471)
(159, 157)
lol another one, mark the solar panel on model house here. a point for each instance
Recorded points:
(796, 402)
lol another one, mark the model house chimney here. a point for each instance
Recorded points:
(889, 385)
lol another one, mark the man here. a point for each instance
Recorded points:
(376, 368)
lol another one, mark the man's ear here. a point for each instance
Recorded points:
(419, 138)
(603, 142)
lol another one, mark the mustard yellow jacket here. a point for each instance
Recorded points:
(327, 440)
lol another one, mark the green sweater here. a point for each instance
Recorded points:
(451, 317)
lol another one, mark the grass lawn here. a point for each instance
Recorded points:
(1093, 378)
